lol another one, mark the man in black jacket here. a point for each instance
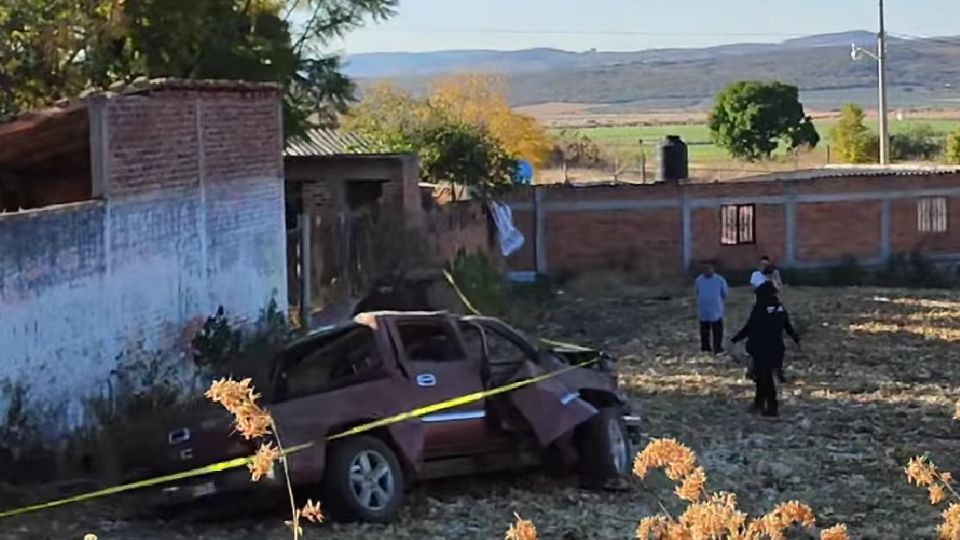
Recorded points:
(764, 334)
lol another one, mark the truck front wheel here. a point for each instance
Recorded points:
(363, 481)
(604, 450)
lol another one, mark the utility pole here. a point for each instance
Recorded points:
(881, 58)
(882, 78)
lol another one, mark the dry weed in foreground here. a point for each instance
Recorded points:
(923, 472)
(253, 422)
(523, 529)
(713, 516)
(716, 515)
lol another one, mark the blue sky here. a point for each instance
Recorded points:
(424, 25)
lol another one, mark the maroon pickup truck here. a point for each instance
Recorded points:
(382, 364)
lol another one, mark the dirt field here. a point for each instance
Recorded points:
(875, 385)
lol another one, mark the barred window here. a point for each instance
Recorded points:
(737, 225)
(932, 215)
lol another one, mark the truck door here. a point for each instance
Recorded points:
(551, 407)
(440, 370)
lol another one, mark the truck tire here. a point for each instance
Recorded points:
(362, 481)
(604, 450)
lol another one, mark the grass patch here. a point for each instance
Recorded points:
(624, 139)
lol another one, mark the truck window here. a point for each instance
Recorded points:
(504, 357)
(348, 360)
(472, 341)
(499, 348)
(430, 342)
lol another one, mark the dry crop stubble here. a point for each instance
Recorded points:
(859, 403)
(865, 396)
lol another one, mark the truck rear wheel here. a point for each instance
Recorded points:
(363, 481)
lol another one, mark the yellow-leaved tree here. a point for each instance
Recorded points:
(481, 101)
(388, 114)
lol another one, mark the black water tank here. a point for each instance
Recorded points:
(673, 159)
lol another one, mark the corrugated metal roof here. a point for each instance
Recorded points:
(845, 171)
(327, 142)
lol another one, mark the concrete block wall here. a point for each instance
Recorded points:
(189, 216)
(800, 223)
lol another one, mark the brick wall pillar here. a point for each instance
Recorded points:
(790, 227)
(885, 212)
(686, 232)
(540, 232)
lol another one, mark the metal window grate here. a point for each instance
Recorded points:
(932, 215)
(737, 224)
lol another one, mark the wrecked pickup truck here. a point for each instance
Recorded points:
(385, 363)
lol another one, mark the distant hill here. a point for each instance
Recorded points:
(922, 72)
(861, 38)
(379, 65)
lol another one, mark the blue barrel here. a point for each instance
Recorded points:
(524, 172)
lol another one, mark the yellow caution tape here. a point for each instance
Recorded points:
(240, 462)
(470, 307)
(463, 297)
(457, 401)
(150, 482)
(402, 417)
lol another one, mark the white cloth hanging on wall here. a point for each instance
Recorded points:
(511, 239)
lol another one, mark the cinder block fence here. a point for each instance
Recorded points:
(803, 220)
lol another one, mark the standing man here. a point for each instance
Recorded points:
(712, 292)
(764, 334)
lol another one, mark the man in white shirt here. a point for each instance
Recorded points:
(766, 272)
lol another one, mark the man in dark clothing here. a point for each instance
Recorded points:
(764, 334)
(771, 274)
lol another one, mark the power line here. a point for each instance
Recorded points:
(512, 31)
(939, 41)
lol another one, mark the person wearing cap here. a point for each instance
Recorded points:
(763, 332)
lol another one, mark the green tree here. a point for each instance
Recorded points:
(919, 142)
(952, 151)
(460, 154)
(751, 119)
(53, 49)
(852, 140)
(388, 117)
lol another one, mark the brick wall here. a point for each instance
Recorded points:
(458, 227)
(324, 181)
(799, 222)
(446, 229)
(832, 231)
(189, 217)
(609, 239)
